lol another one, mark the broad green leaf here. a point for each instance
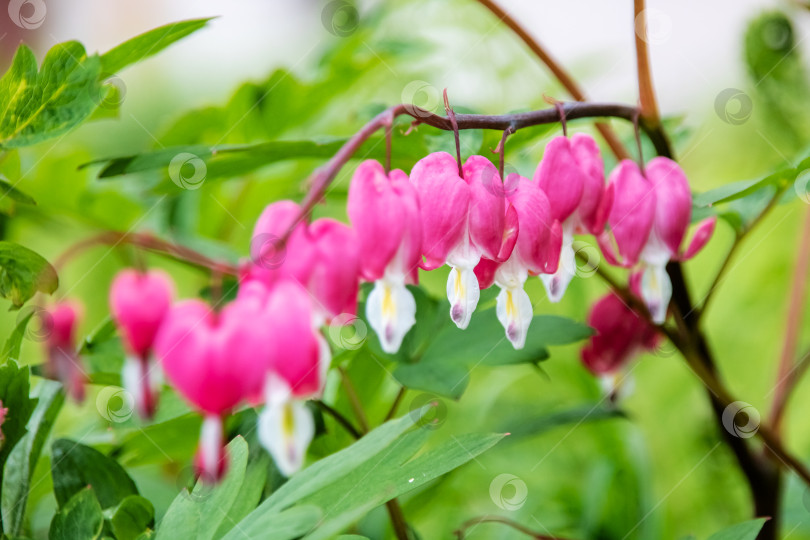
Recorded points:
(74, 466)
(79, 519)
(737, 190)
(19, 468)
(445, 379)
(338, 465)
(24, 272)
(148, 44)
(392, 474)
(250, 492)
(8, 190)
(176, 438)
(132, 517)
(200, 514)
(286, 525)
(14, 395)
(35, 106)
(747, 530)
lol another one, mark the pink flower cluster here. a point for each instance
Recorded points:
(266, 347)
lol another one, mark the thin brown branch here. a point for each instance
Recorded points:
(796, 298)
(395, 405)
(319, 181)
(398, 522)
(354, 400)
(461, 532)
(646, 91)
(147, 242)
(566, 80)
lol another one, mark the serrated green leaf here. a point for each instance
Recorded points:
(747, 530)
(148, 44)
(35, 106)
(79, 519)
(132, 517)
(19, 468)
(74, 466)
(23, 272)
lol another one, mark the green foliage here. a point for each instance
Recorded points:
(148, 44)
(132, 517)
(75, 466)
(19, 468)
(741, 531)
(79, 519)
(23, 272)
(14, 394)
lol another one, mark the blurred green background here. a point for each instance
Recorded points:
(317, 75)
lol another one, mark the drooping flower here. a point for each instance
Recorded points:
(138, 304)
(322, 257)
(63, 362)
(3, 413)
(571, 174)
(536, 251)
(299, 361)
(621, 333)
(648, 223)
(216, 361)
(384, 212)
(463, 219)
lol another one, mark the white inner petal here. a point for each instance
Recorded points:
(285, 430)
(391, 311)
(211, 446)
(656, 290)
(514, 310)
(463, 293)
(557, 283)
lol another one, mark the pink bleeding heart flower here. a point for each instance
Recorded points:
(63, 362)
(270, 258)
(571, 174)
(323, 257)
(536, 251)
(463, 219)
(648, 223)
(299, 362)
(334, 277)
(216, 361)
(621, 333)
(138, 303)
(384, 211)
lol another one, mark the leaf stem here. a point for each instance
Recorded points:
(342, 420)
(461, 532)
(796, 298)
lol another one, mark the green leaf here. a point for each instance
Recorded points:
(19, 468)
(74, 466)
(37, 106)
(12, 346)
(148, 44)
(8, 190)
(738, 190)
(24, 272)
(200, 514)
(338, 465)
(132, 517)
(443, 367)
(747, 530)
(286, 525)
(80, 519)
(14, 394)
(392, 474)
